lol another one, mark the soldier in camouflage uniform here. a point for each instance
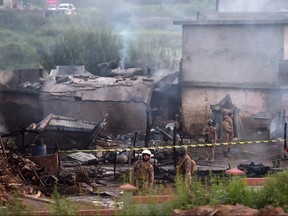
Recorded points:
(227, 131)
(210, 138)
(185, 166)
(143, 172)
(230, 120)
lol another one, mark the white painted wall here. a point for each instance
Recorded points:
(232, 53)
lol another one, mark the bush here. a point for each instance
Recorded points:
(233, 191)
(274, 192)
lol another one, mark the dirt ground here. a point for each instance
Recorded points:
(108, 194)
(258, 153)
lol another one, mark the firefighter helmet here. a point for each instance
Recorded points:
(146, 151)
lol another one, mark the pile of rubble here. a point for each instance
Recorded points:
(22, 177)
(16, 174)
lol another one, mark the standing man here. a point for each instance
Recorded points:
(143, 172)
(210, 138)
(230, 120)
(227, 134)
(186, 167)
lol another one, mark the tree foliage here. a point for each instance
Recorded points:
(17, 55)
(82, 47)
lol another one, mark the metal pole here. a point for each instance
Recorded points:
(285, 136)
(174, 149)
(147, 137)
(115, 163)
(217, 6)
(133, 145)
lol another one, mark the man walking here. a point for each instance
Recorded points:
(186, 167)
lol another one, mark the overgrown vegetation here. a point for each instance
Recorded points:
(275, 192)
(216, 191)
(139, 33)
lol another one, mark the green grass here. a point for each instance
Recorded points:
(211, 191)
(274, 192)
(214, 191)
(62, 206)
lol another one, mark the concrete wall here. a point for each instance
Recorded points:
(232, 53)
(252, 5)
(197, 101)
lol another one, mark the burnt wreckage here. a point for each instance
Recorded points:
(71, 105)
(73, 109)
(70, 108)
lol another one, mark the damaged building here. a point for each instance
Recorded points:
(241, 54)
(70, 95)
(85, 96)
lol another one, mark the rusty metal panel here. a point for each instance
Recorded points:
(50, 163)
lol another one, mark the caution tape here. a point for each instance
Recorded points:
(153, 148)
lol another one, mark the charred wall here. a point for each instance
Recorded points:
(19, 110)
(19, 98)
(167, 104)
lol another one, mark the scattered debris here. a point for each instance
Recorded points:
(84, 157)
(254, 170)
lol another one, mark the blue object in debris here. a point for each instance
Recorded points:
(38, 150)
